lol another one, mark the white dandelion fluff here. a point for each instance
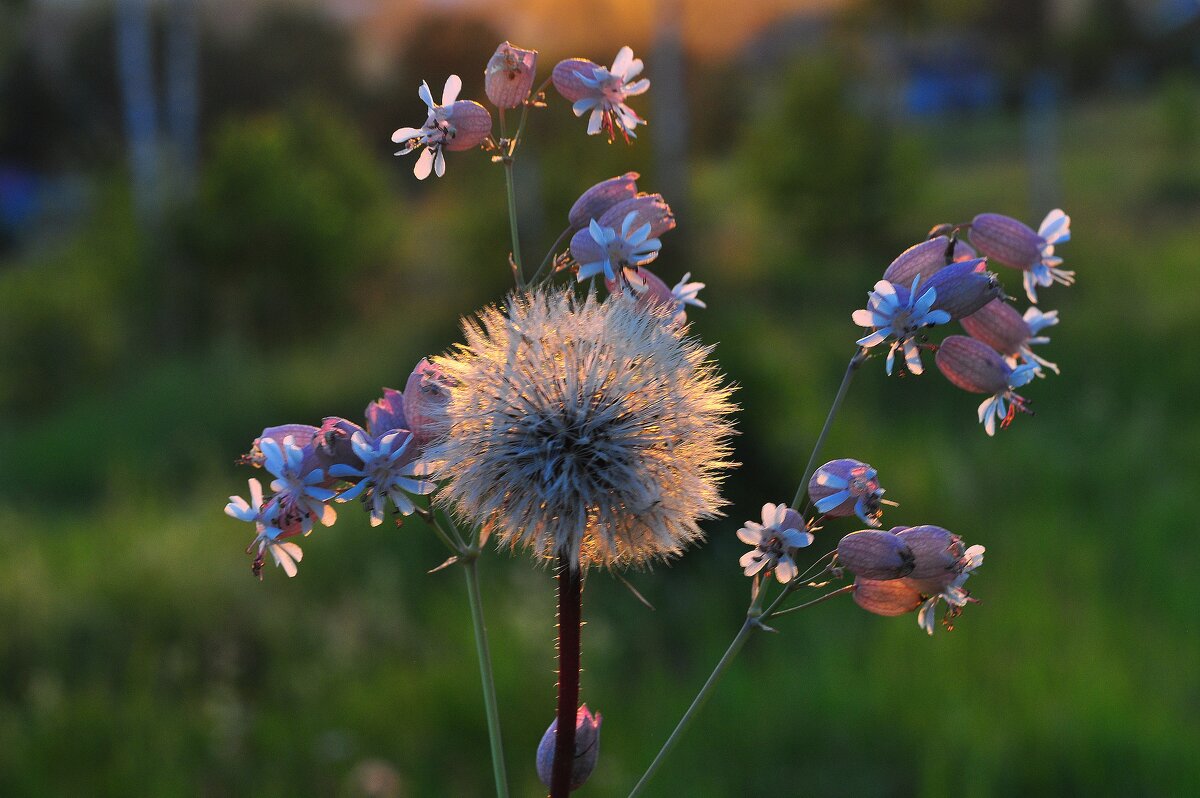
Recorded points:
(583, 429)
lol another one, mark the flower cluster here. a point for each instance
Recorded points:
(337, 462)
(944, 279)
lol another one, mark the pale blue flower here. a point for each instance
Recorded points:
(386, 472)
(298, 489)
(1055, 229)
(608, 90)
(899, 313)
(268, 535)
(954, 594)
(628, 247)
(1003, 405)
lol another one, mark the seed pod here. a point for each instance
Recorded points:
(999, 325)
(650, 208)
(886, 597)
(936, 557)
(587, 748)
(471, 123)
(1006, 241)
(972, 365)
(964, 287)
(873, 554)
(508, 76)
(566, 77)
(599, 198)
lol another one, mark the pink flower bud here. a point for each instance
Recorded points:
(599, 198)
(1006, 240)
(999, 325)
(470, 123)
(937, 554)
(566, 77)
(426, 395)
(386, 414)
(964, 287)
(509, 75)
(886, 597)
(587, 748)
(973, 365)
(650, 208)
(926, 259)
(873, 554)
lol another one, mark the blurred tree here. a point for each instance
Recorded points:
(291, 207)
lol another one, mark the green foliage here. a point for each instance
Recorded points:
(823, 169)
(292, 212)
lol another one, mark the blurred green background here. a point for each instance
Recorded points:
(203, 232)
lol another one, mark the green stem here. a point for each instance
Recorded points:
(736, 646)
(859, 357)
(550, 255)
(833, 594)
(512, 221)
(471, 567)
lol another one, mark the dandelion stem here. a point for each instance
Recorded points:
(860, 356)
(736, 646)
(570, 616)
(471, 568)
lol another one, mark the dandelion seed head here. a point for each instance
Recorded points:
(583, 428)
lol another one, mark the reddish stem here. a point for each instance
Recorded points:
(570, 612)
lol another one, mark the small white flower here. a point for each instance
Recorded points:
(609, 90)
(386, 473)
(685, 292)
(627, 247)
(1037, 321)
(895, 312)
(434, 133)
(285, 553)
(772, 543)
(1055, 229)
(954, 594)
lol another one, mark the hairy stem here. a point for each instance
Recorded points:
(570, 606)
(471, 569)
(859, 357)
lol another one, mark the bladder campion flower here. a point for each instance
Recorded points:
(845, 486)
(268, 537)
(593, 203)
(926, 259)
(896, 312)
(587, 748)
(591, 87)
(583, 429)
(299, 489)
(773, 540)
(451, 125)
(964, 287)
(508, 76)
(875, 554)
(974, 366)
(1012, 243)
(387, 471)
(1001, 327)
(614, 249)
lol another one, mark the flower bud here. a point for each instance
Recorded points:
(650, 208)
(567, 78)
(599, 198)
(509, 75)
(471, 124)
(936, 557)
(587, 748)
(333, 445)
(386, 414)
(426, 395)
(1006, 241)
(972, 365)
(999, 325)
(585, 248)
(964, 287)
(886, 597)
(873, 554)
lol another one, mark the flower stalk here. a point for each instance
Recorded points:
(470, 564)
(570, 612)
(859, 358)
